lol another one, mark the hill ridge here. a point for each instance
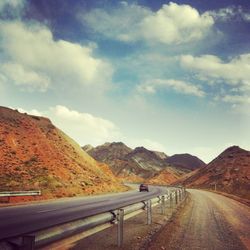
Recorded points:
(34, 154)
(229, 172)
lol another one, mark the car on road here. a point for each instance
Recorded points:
(143, 187)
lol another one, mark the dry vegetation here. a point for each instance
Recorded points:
(166, 176)
(34, 154)
(229, 173)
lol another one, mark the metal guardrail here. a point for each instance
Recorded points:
(117, 216)
(9, 194)
(19, 193)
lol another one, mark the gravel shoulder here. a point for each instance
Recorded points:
(210, 221)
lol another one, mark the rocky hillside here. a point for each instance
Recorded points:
(229, 172)
(34, 154)
(87, 148)
(161, 155)
(136, 165)
(185, 161)
(114, 155)
(144, 163)
(109, 152)
(165, 176)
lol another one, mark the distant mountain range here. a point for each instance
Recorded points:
(34, 154)
(229, 172)
(142, 163)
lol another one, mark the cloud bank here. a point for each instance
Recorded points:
(37, 60)
(233, 75)
(171, 24)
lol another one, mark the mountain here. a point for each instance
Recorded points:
(185, 161)
(136, 165)
(108, 152)
(87, 148)
(34, 154)
(229, 172)
(125, 162)
(146, 159)
(161, 155)
(165, 176)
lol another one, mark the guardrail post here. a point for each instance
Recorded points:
(171, 200)
(163, 204)
(120, 219)
(180, 195)
(176, 197)
(149, 212)
(28, 242)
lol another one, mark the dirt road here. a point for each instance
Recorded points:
(210, 221)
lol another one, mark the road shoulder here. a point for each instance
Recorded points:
(202, 224)
(161, 239)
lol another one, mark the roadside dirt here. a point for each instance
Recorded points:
(234, 197)
(210, 221)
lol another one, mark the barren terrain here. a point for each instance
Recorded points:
(229, 173)
(210, 221)
(34, 154)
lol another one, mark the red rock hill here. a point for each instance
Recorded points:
(34, 154)
(229, 172)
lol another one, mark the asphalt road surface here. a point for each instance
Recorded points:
(18, 220)
(210, 221)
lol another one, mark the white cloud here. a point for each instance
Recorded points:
(31, 51)
(235, 71)
(223, 14)
(31, 80)
(236, 99)
(84, 128)
(84, 125)
(235, 74)
(230, 13)
(246, 17)
(30, 112)
(171, 24)
(11, 7)
(182, 87)
(120, 23)
(176, 23)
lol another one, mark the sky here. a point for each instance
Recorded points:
(169, 76)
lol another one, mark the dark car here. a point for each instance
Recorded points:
(143, 187)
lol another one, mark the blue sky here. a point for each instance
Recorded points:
(171, 76)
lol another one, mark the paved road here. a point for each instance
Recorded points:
(210, 221)
(18, 220)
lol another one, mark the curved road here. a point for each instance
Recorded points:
(18, 220)
(210, 221)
